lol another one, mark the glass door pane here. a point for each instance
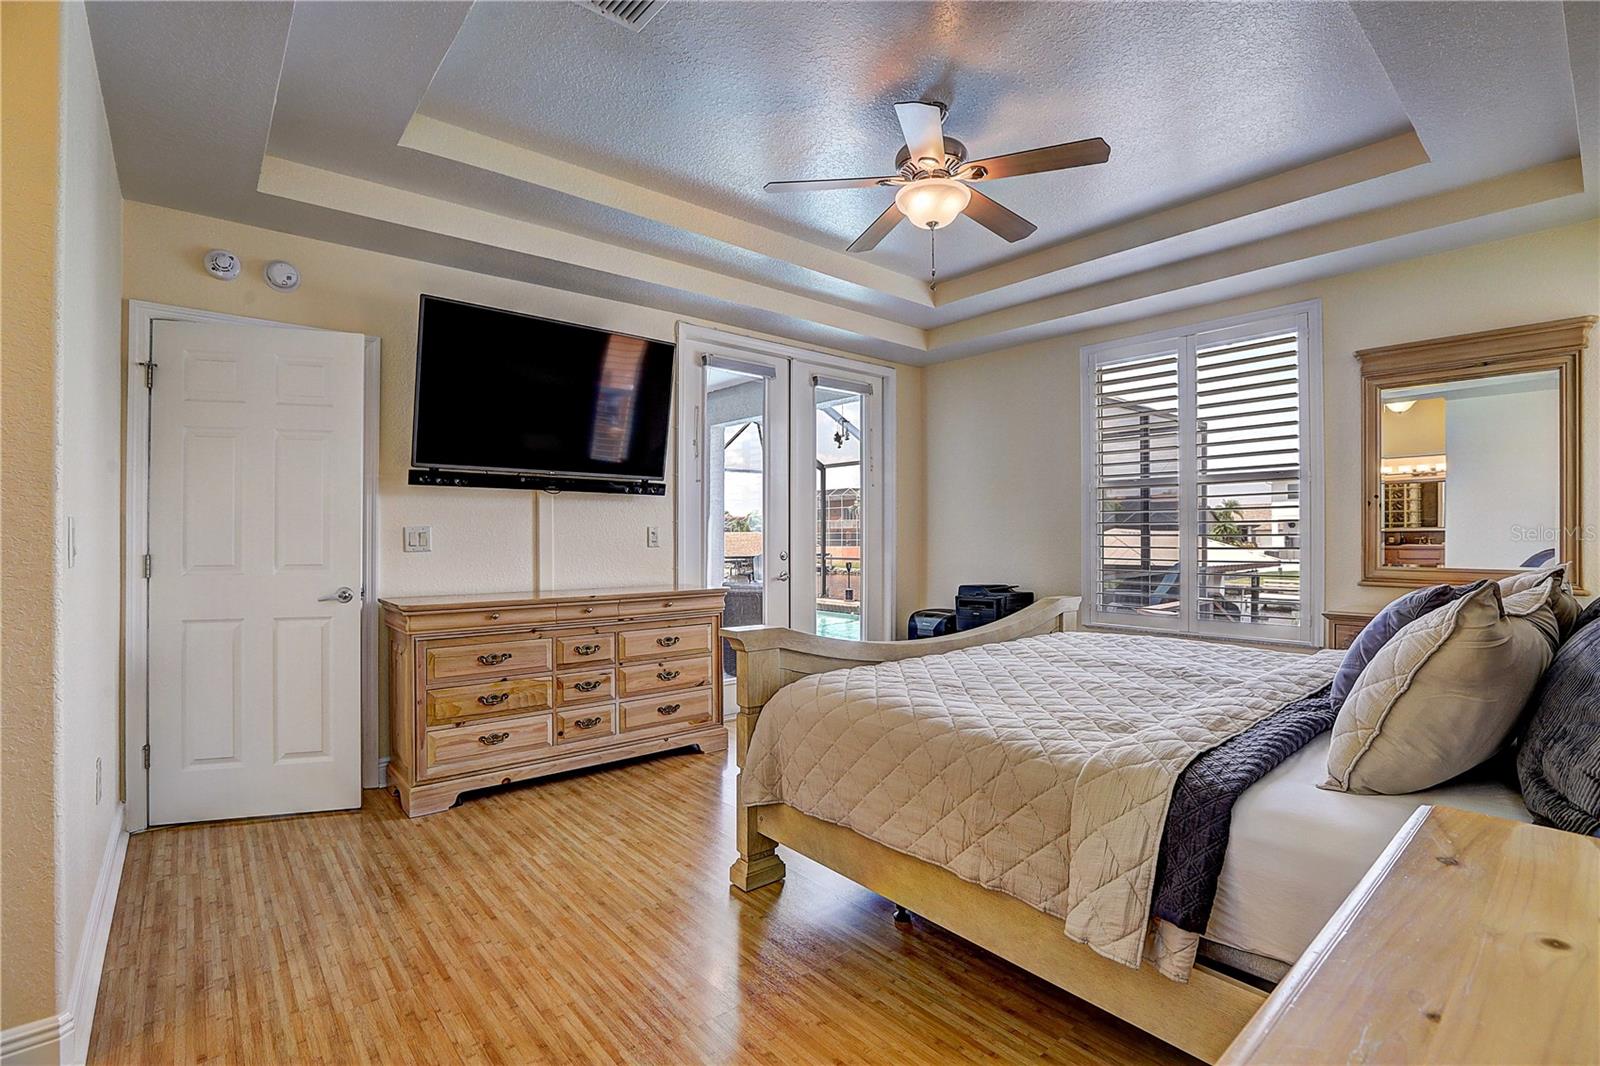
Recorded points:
(839, 575)
(745, 459)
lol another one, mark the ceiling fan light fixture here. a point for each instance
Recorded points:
(933, 202)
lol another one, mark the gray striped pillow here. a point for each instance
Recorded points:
(1558, 761)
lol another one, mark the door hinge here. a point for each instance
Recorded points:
(147, 567)
(147, 756)
(149, 374)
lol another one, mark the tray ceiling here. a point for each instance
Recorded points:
(1251, 145)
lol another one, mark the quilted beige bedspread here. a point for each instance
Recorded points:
(1041, 767)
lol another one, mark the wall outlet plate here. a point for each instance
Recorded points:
(419, 538)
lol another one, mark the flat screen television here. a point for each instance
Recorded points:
(511, 400)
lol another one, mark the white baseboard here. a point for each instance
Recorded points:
(35, 1043)
(380, 778)
(87, 967)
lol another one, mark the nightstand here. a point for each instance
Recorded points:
(1471, 939)
(1345, 626)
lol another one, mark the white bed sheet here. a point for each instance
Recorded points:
(1295, 851)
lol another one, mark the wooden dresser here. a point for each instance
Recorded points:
(486, 690)
(1471, 940)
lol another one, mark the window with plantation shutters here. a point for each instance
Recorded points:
(1201, 503)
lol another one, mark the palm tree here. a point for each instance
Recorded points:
(1226, 525)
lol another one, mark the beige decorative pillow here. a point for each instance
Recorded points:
(1540, 605)
(1442, 696)
(1562, 602)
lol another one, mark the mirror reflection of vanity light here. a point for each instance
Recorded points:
(1400, 407)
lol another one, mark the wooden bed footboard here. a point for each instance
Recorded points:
(1201, 1017)
(769, 657)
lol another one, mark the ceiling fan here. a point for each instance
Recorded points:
(935, 178)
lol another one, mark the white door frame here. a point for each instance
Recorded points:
(135, 544)
(689, 485)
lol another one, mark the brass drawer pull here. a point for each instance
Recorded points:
(587, 686)
(668, 675)
(492, 739)
(667, 710)
(494, 699)
(667, 642)
(589, 723)
(495, 658)
(586, 649)
(494, 616)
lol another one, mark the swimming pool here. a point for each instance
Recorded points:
(839, 624)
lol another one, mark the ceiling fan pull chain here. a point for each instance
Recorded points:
(933, 266)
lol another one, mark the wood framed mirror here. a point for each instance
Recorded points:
(1471, 455)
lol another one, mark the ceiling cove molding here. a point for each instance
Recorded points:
(1388, 156)
(462, 145)
(387, 203)
(1535, 185)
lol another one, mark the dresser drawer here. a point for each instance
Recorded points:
(667, 640)
(505, 696)
(434, 622)
(458, 658)
(584, 686)
(586, 649)
(669, 604)
(460, 749)
(676, 709)
(637, 679)
(599, 610)
(586, 723)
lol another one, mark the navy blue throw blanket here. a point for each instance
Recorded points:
(1196, 835)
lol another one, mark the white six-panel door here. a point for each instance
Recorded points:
(255, 528)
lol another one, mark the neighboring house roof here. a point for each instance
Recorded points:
(741, 545)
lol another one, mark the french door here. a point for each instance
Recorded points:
(779, 498)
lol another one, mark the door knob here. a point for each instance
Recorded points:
(344, 595)
(781, 577)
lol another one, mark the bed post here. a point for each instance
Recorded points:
(758, 674)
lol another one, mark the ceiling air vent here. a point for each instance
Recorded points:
(630, 13)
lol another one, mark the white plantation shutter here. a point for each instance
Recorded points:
(1138, 446)
(1202, 507)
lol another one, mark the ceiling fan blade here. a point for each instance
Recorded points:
(923, 125)
(878, 230)
(1037, 160)
(822, 184)
(1000, 220)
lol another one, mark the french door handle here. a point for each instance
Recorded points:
(344, 595)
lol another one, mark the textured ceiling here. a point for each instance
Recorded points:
(713, 100)
(1468, 121)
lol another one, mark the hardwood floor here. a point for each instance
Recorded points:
(585, 919)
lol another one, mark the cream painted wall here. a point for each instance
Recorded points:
(29, 128)
(89, 484)
(1003, 483)
(483, 540)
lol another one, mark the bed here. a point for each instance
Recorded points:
(944, 781)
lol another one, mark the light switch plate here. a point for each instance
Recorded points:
(419, 538)
(652, 537)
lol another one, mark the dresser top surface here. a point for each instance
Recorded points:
(1471, 939)
(408, 604)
